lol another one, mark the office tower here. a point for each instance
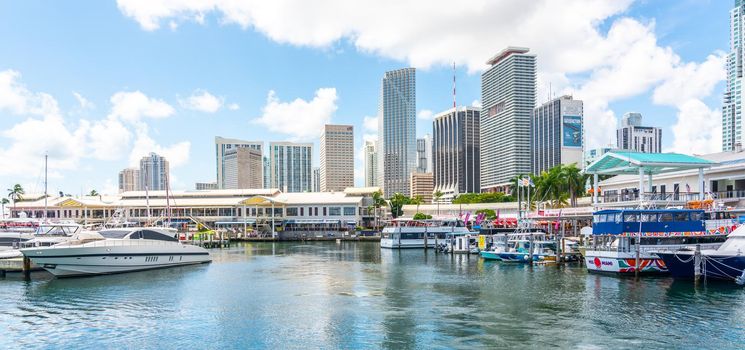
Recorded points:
(154, 172)
(316, 180)
(337, 158)
(397, 131)
(129, 180)
(203, 186)
(424, 154)
(633, 136)
(267, 173)
(508, 96)
(732, 126)
(222, 146)
(243, 167)
(421, 185)
(557, 134)
(290, 166)
(456, 152)
(371, 164)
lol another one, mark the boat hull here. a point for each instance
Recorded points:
(490, 255)
(405, 243)
(523, 257)
(722, 267)
(623, 263)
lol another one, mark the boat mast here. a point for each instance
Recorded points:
(46, 158)
(147, 196)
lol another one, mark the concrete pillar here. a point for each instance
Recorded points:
(595, 188)
(701, 184)
(641, 182)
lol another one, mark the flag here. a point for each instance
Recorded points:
(468, 216)
(556, 225)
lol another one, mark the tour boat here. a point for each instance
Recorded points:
(615, 232)
(116, 251)
(726, 262)
(409, 233)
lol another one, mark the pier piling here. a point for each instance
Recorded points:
(26, 267)
(697, 264)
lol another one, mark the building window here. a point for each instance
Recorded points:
(292, 211)
(302, 211)
(334, 211)
(349, 211)
(324, 211)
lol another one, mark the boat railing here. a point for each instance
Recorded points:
(127, 242)
(651, 248)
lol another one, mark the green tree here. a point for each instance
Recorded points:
(417, 200)
(422, 216)
(3, 202)
(436, 196)
(16, 193)
(93, 193)
(378, 202)
(488, 213)
(397, 203)
(575, 181)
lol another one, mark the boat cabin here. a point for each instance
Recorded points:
(138, 233)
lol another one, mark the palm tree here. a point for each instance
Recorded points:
(397, 202)
(575, 181)
(436, 196)
(418, 200)
(93, 193)
(378, 202)
(16, 193)
(3, 202)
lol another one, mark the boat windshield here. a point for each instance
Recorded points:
(115, 234)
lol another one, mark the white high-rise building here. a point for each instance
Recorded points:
(243, 168)
(508, 96)
(397, 131)
(291, 166)
(633, 136)
(424, 154)
(557, 134)
(337, 158)
(732, 125)
(129, 180)
(371, 164)
(154, 172)
(316, 180)
(222, 146)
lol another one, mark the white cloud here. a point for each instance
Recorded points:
(177, 154)
(109, 139)
(234, 107)
(17, 99)
(84, 103)
(203, 101)
(692, 80)
(301, 119)
(133, 106)
(425, 114)
(370, 124)
(698, 129)
(476, 103)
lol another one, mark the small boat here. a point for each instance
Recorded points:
(529, 244)
(116, 251)
(410, 233)
(724, 263)
(460, 243)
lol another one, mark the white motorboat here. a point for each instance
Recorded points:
(410, 233)
(116, 251)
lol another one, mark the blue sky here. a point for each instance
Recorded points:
(136, 64)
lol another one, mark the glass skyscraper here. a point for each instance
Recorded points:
(154, 173)
(290, 168)
(732, 134)
(456, 152)
(397, 156)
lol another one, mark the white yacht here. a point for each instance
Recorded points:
(409, 233)
(116, 251)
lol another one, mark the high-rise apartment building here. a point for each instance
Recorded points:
(205, 186)
(557, 134)
(129, 180)
(633, 136)
(222, 146)
(337, 158)
(154, 171)
(732, 126)
(291, 166)
(316, 187)
(397, 131)
(371, 164)
(422, 185)
(424, 154)
(243, 167)
(508, 96)
(456, 152)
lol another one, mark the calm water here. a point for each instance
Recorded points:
(353, 295)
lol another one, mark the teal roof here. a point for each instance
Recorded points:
(628, 162)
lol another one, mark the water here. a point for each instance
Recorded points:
(353, 295)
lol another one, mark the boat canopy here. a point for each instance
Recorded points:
(649, 222)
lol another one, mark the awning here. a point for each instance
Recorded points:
(312, 221)
(247, 221)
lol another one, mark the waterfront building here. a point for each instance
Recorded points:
(508, 96)
(291, 166)
(371, 163)
(732, 123)
(203, 186)
(633, 136)
(422, 184)
(456, 152)
(223, 146)
(154, 172)
(129, 180)
(337, 158)
(397, 131)
(424, 154)
(243, 168)
(316, 180)
(557, 130)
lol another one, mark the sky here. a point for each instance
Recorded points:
(96, 85)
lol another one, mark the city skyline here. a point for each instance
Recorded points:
(97, 106)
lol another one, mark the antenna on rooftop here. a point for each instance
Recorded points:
(454, 105)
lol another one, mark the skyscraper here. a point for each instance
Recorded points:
(129, 180)
(371, 164)
(456, 152)
(316, 187)
(732, 126)
(424, 154)
(508, 96)
(243, 168)
(397, 131)
(154, 172)
(223, 145)
(557, 134)
(337, 158)
(290, 166)
(421, 185)
(267, 173)
(633, 136)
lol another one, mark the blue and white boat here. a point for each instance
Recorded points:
(533, 243)
(725, 263)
